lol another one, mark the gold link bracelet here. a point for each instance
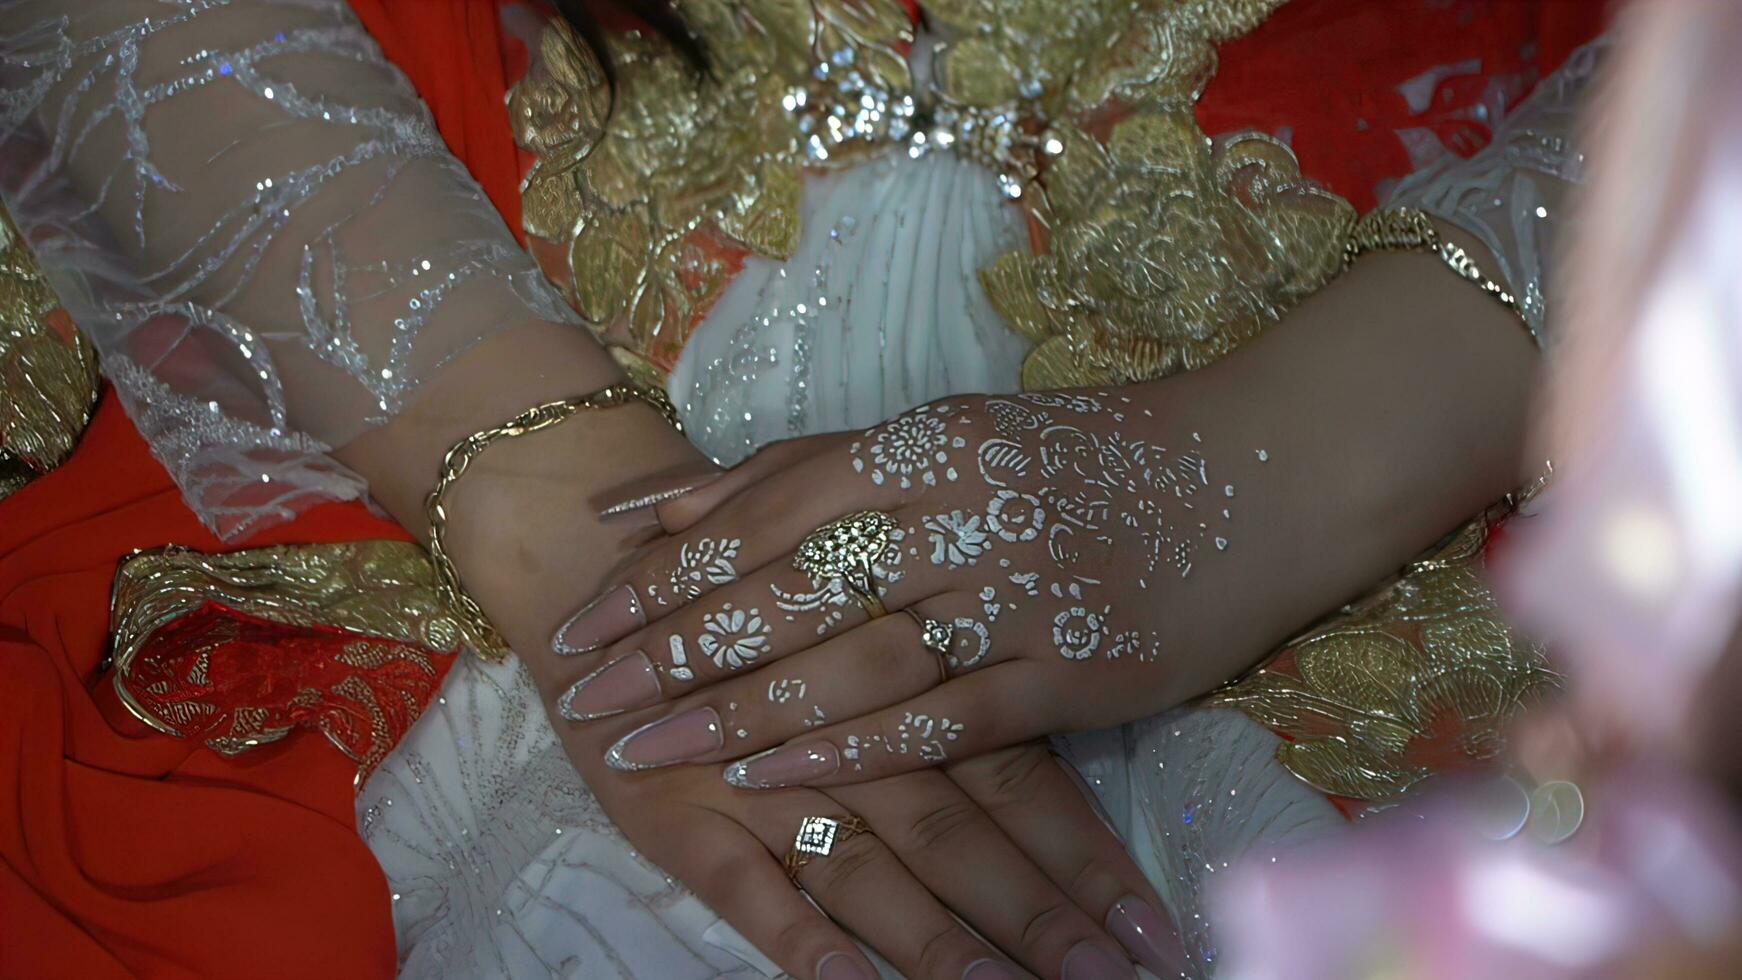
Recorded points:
(482, 636)
(1410, 230)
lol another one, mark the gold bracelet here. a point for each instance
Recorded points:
(1410, 230)
(479, 633)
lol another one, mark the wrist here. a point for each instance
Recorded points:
(524, 529)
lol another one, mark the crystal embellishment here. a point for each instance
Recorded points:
(817, 836)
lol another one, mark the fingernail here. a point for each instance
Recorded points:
(1087, 961)
(624, 683)
(607, 619)
(1148, 935)
(680, 738)
(1090, 796)
(840, 966)
(989, 970)
(656, 492)
(787, 765)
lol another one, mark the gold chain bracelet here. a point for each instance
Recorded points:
(482, 636)
(1410, 230)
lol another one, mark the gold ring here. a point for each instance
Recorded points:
(818, 837)
(937, 637)
(850, 549)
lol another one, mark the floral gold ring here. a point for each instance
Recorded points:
(818, 837)
(936, 636)
(850, 549)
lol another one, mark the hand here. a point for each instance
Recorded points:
(1046, 533)
(1005, 844)
(1037, 882)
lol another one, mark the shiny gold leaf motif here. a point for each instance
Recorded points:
(48, 371)
(692, 173)
(347, 646)
(1420, 678)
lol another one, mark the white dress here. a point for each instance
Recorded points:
(500, 861)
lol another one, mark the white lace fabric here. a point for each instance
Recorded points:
(1512, 194)
(251, 213)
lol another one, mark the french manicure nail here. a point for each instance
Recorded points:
(786, 765)
(840, 966)
(624, 683)
(607, 619)
(658, 492)
(679, 738)
(989, 970)
(1148, 935)
(1087, 961)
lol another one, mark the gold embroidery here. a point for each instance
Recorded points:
(383, 589)
(1421, 677)
(657, 208)
(175, 610)
(1165, 253)
(48, 372)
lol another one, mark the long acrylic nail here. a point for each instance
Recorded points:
(787, 765)
(607, 619)
(989, 970)
(1087, 961)
(624, 683)
(1148, 935)
(679, 738)
(656, 492)
(840, 966)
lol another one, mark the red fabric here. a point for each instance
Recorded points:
(1326, 76)
(219, 673)
(128, 852)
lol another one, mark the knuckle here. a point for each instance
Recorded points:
(1015, 777)
(941, 953)
(1051, 926)
(841, 870)
(944, 826)
(797, 942)
(1096, 877)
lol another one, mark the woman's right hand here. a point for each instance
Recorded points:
(1005, 843)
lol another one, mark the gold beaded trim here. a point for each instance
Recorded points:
(473, 623)
(1410, 230)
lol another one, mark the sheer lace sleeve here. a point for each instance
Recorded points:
(1512, 194)
(252, 214)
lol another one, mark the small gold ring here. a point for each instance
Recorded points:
(818, 837)
(936, 636)
(849, 549)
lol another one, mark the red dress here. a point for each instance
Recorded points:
(133, 852)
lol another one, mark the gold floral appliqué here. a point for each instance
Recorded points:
(241, 649)
(1420, 678)
(48, 371)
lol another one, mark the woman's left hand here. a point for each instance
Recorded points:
(1024, 547)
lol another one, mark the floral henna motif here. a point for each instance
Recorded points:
(1073, 504)
(707, 563)
(734, 637)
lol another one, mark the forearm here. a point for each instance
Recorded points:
(1387, 409)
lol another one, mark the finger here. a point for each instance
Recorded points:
(879, 664)
(767, 518)
(955, 849)
(1041, 803)
(749, 889)
(680, 513)
(862, 885)
(978, 712)
(707, 644)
